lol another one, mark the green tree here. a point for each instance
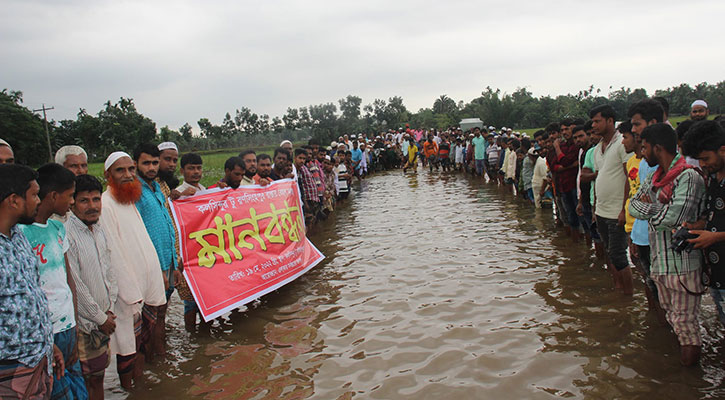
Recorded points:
(186, 132)
(122, 127)
(22, 129)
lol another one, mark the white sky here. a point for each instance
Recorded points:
(184, 60)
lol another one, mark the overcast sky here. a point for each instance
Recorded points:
(181, 61)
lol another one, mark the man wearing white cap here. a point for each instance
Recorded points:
(699, 110)
(286, 144)
(6, 153)
(140, 282)
(167, 168)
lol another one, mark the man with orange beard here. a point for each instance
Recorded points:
(140, 281)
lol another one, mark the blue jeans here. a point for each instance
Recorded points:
(479, 166)
(190, 306)
(718, 296)
(71, 385)
(569, 201)
(587, 223)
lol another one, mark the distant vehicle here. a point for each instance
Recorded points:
(470, 123)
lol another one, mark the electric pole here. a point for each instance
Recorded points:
(47, 133)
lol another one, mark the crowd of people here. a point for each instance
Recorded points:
(645, 195)
(87, 273)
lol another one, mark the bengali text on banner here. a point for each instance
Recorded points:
(239, 244)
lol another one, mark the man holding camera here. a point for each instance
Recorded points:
(705, 141)
(670, 196)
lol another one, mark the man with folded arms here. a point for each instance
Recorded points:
(96, 288)
(672, 195)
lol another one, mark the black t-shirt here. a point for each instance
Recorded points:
(715, 207)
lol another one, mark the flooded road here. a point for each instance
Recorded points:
(438, 287)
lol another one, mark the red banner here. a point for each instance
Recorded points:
(239, 244)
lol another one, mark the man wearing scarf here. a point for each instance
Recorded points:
(140, 282)
(670, 196)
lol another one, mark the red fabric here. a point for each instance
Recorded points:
(665, 184)
(566, 177)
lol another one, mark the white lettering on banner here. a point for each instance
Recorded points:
(240, 274)
(213, 205)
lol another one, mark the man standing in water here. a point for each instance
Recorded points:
(610, 159)
(96, 286)
(706, 142)
(670, 197)
(26, 330)
(47, 237)
(642, 114)
(140, 280)
(152, 207)
(479, 151)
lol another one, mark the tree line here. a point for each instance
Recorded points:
(120, 126)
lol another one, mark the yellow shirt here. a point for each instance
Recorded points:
(633, 179)
(412, 150)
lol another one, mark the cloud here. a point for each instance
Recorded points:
(183, 60)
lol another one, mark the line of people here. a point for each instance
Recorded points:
(87, 273)
(646, 195)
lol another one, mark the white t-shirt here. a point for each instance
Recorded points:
(540, 171)
(609, 187)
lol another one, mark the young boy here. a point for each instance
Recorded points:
(47, 238)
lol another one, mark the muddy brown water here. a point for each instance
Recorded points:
(437, 287)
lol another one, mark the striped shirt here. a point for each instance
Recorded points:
(686, 205)
(89, 260)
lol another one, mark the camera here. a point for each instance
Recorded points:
(679, 240)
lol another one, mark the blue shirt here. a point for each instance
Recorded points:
(26, 332)
(357, 156)
(640, 230)
(156, 218)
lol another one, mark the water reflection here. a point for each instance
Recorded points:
(437, 286)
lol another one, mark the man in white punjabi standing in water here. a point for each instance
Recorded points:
(140, 281)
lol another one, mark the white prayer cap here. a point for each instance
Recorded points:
(328, 158)
(699, 103)
(168, 146)
(284, 142)
(115, 156)
(4, 143)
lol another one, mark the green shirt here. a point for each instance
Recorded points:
(479, 147)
